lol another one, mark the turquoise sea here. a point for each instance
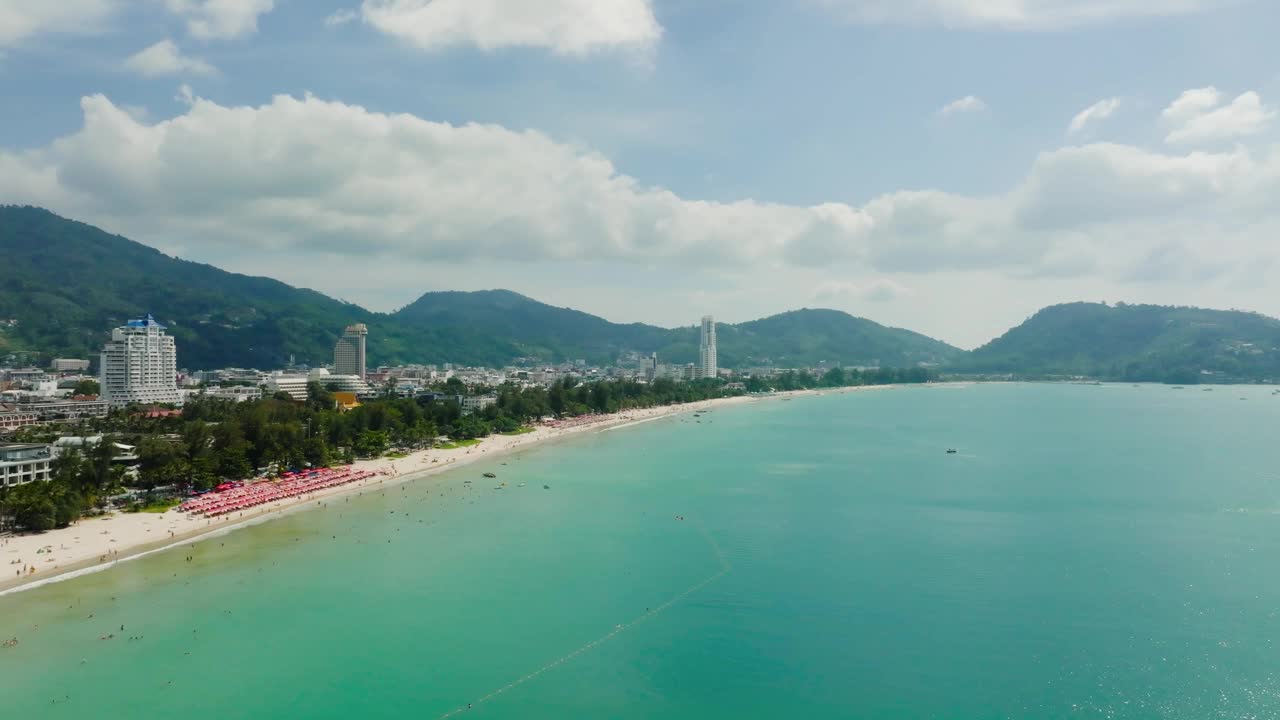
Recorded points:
(1089, 552)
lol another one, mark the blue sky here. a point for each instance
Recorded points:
(655, 160)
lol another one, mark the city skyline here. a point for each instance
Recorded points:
(885, 159)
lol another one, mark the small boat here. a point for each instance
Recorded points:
(490, 475)
(951, 451)
(521, 485)
(546, 487)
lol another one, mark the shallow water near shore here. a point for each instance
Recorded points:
(1089, 551)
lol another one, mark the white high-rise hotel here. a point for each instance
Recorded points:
(139, 365)
(348, 353)
(707, 349)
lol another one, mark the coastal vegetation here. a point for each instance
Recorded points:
(215, 440)
(1135, 343)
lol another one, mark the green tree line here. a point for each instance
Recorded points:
(214, 440)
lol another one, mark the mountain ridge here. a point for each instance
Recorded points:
(1136, 343)
(74, 282)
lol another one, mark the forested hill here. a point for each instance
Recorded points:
(1137, 343)
(66, 284)
(800, 337)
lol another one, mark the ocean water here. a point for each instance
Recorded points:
(1089, 552)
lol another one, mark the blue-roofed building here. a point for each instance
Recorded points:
(140, 365)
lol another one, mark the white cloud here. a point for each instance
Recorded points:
(164, 58)
(966, 104)
(307, 176)
(1198, 116)
(1009, 14)
(24, 19)
(220, 19)
(878, 290)
(340, 17)
(21, 20)
(1096, 112)
(566, 27)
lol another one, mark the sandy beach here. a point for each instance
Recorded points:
(95, 544)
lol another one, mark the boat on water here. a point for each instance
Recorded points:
(546, 487)
(490, 475)
(951, 451)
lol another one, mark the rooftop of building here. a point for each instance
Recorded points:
(144, 322)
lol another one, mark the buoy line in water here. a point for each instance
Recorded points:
(725, 567)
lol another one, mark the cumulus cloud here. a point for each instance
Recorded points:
(565, 27)
(164, 58)
(309, 175)
(1096, 112)
(1009, 14)
(220, 19)
(24, 19)
(966, 104)
(1198, 116)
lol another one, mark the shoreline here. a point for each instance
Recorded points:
(92, 545)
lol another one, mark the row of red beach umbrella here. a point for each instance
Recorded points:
(248, 496)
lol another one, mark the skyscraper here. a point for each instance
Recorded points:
(348, 353)
(139, 365)
(707, 349)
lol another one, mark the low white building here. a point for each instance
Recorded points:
(21, 464)
(234, 393)
(294, 385)
(119, 451)
(472, 403)
(69, 365)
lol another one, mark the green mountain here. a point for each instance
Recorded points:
(532, 329)
(1136, 343)
(67, 284)
(801, 337)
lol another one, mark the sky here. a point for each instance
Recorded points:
(949, 166)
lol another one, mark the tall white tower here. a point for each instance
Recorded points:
(139, 365)
(348, 353)
(707, 349)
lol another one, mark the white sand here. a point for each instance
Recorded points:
(97, 543)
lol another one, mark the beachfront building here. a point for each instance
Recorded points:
(348, 353)
(24, 463)
(649, 367)
(475, 403)
(707, 349)
(140, 365)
